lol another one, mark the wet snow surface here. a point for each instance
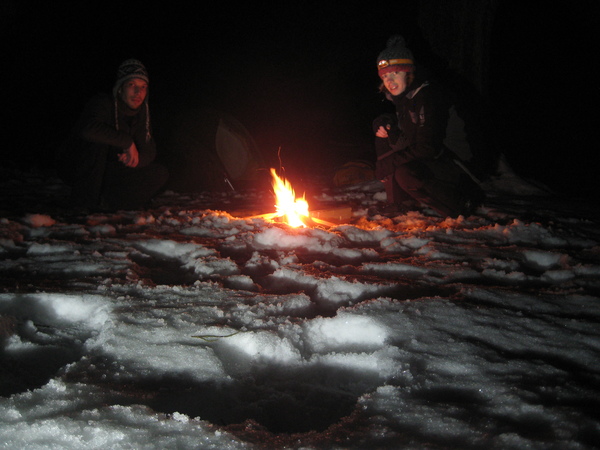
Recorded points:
(184, 326)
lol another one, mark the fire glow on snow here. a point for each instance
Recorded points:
(186, 327)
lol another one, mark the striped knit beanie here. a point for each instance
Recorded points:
(396, 57)
(131, 68)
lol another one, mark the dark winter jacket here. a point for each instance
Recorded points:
(419, 128)
(105, 121)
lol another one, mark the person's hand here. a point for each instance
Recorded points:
(130, 156)
(381, 132)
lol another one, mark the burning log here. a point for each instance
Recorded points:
(334, 214)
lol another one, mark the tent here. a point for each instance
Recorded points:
(211, 150)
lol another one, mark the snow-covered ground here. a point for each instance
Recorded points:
(184, 326)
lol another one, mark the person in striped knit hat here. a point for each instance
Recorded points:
(109, 156)
(415, 160)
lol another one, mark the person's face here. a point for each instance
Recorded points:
(395, 82)
(133, 92)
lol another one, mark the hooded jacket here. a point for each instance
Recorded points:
(421, 119)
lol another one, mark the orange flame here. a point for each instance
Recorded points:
(293, 210)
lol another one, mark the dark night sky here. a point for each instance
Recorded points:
(300, 76)
(267, 66)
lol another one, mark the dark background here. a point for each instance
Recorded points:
(301, 76)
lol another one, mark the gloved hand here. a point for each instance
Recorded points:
(385, 120)
(386, 126)
(382, 132)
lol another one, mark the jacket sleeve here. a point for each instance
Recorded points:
(96, 124)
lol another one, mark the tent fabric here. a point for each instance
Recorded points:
(211, 150)
(235, 149)
(354, 172)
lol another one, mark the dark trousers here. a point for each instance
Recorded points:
(127, 188)
(99, 180)
(437, 183)
(442, 193)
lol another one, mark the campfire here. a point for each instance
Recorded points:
(289, 209)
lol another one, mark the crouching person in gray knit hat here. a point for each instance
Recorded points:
(108, 159)
(415, 158)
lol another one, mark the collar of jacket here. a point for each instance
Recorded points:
(408, 93)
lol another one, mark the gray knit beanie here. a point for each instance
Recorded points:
(131, 68)
(396, 57)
